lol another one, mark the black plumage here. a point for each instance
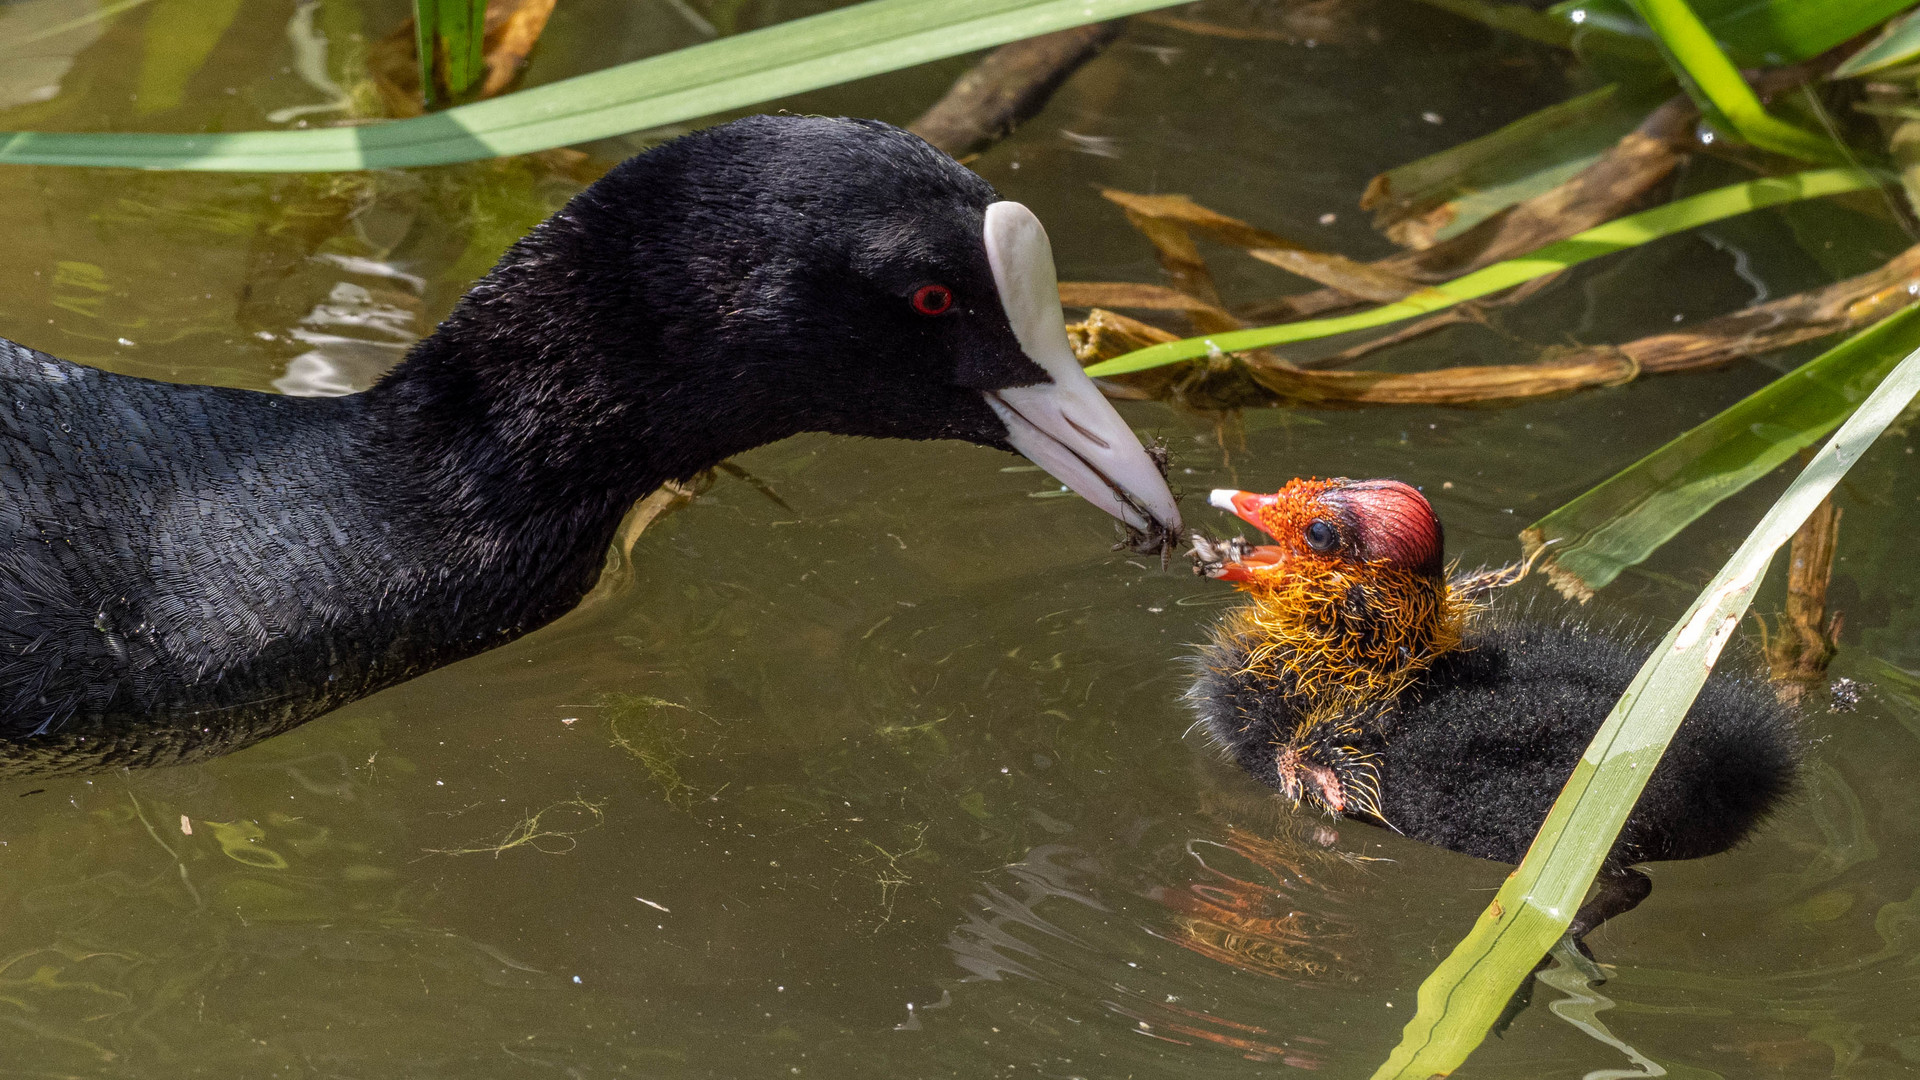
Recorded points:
(1472, 753)
(187, 569)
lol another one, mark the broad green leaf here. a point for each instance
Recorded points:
(731, 73)
(1464, 995)
(178, 37)
(1627, 517)
(1897, 44)
(1463, 185)
(1774, 32)
(1719, 83)
(1617, 235)
(1758, 33)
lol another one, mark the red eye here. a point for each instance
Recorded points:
(932, 299)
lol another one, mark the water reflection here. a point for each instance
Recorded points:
(162, 890)
(354, 336)
(1265, 926)
(983, 946)
(1044, 921)
(39, 41)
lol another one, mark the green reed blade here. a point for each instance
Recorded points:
(1461, 999)
(716, 76)
(1898, 43)
(462, 26)
(1471, 181)
(1755, 33)
(448, 36)
(426, 28)
(1692, 48)
(1628, 516)
(1616, 235)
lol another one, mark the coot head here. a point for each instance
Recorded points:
(804, 274)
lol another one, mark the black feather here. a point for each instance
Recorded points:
(1472, 754)
(187, 569)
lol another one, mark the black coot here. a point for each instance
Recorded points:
(187, 569)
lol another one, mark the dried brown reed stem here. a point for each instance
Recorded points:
(1803, 640)
(1251, 380)
(1009, 86)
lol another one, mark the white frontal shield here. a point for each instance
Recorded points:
(1064, 425)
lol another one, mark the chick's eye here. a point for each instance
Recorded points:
(1322, 537)
(932, 299)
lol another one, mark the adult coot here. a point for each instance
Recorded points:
(1360, 678)
(187, 569)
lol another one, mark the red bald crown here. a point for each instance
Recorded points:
(1378, 520)
(1393, 522)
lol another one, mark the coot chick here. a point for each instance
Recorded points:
(187, 569)
(1473, 715)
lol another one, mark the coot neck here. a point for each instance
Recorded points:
(573, 379)
(548, 402)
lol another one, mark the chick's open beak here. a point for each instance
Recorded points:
(1064, 425)
(1246, 504)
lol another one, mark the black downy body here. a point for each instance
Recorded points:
(1471, 752)
(1471, 755)
(187, 569)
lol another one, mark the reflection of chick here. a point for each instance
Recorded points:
(1262, 923)
(1361, 679)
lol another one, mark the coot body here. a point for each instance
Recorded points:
(187, 569)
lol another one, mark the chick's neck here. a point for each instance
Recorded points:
(1334, 631)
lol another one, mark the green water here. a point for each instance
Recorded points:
(897, 784)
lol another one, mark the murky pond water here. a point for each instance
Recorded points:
(898, 783)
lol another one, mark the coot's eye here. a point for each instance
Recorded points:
(1322, 537)
(932, 299)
